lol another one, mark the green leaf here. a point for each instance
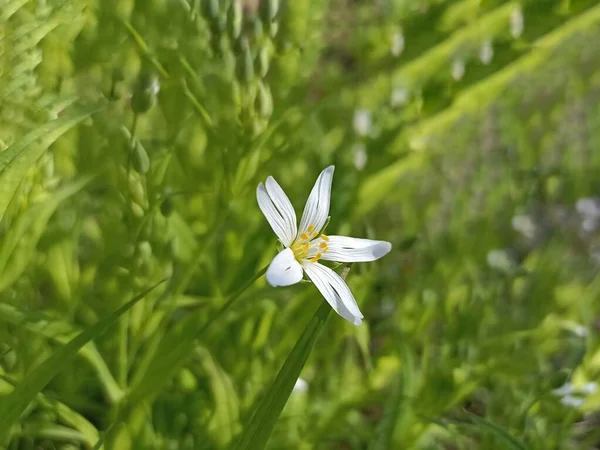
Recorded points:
(398, 407)
(510, 441)
(62, 332)
(17, 159)
(66, 415)
(223, 423)
(13, 405)
(257, 431)
(19, 244)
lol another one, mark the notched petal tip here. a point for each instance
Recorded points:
(349, 249)
(357, 321)
(336, 292)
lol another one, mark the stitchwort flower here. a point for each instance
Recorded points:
(306, 245)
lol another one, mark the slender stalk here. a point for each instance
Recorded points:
(123, 329)
(257, 431)
(232, 298)
(173, 349)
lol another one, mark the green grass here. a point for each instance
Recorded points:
(110, 187)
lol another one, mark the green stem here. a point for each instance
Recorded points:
(258, 430)
(123, 330)
(232, 298)
(171, 353)
(122, 356)
(131, 144)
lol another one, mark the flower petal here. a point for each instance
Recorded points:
(284, 206)
(284, 270)
(335, 290)
(317, 205)
(348, 249)
(277, 219)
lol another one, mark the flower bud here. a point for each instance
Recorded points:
(140, 160)
(268, 10)
(245, 64)
(136, 188)
(257, 30)
(264, 100)
(235, 19)
(273, 29)
(144, 93)
(263, 60)
(210, 8)
(166, 207)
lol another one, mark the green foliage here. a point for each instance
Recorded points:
(259, 428)
(132, 139)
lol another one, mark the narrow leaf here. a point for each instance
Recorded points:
(257, 431)
(398, 407)
(61, 333)
(17, 159)
(18, 246)
(13, 405)
(510, 441)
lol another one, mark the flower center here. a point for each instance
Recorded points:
(310, 245)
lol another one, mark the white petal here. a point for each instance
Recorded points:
(317, 205)
(348, 249)
(572, 401)
(335, 290)
(284, 270)
(565, 389)
(276, 218)
(283, 205)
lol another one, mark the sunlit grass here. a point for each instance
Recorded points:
(133, 136)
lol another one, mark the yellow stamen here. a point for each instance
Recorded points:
(325, 238)
(310, 228)
(323, 245)
(304, 236)
(316, 258)
(314, 234)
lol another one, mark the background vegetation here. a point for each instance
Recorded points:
(133, 135)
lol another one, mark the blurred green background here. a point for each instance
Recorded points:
(133, 135)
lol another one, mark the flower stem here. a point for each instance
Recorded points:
(257, 431)
(232, 298)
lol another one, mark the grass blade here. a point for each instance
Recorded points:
(20, 242)
(256, 433)
(510, 441)
(398, 407)
(17, 159)
(13, 405)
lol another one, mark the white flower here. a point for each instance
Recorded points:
(588, 207)
(503, 260)
(517, 22)
(486, 53)
(458, 68)
(300, 386)
(572, 401)
(397, 43)
(399, 96)
(565, 389)
(524, 225)
(589, 388)
(306, 245)
(363, 121)
(359, 156)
